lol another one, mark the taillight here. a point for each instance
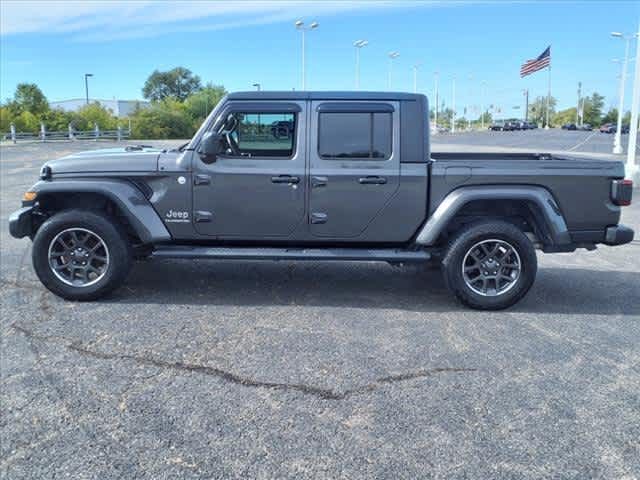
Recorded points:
(621, 191)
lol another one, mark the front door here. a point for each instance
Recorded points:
(354, 166)
(256, 189)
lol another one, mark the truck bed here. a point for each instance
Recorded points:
(566, 177)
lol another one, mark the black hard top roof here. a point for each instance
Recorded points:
(305, 95)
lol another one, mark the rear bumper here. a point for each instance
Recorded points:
(20, 222)
(618, 235)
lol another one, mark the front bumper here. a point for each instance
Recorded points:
(20, 222)
(618, 235)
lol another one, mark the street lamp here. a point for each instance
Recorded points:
(257, 85)
(483, 86)
(358, 44)
(617, 141)
(302, 28)
(435, 112)
(86, 85)
(453, 104)
(392, 56)
(415, 77)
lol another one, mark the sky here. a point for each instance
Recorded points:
(236, 44)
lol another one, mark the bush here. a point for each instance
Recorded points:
(89, 115)
(165, 119)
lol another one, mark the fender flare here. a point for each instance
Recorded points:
(127, 197)
(457, 199)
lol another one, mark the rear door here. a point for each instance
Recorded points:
(256, 189)
(354, 166)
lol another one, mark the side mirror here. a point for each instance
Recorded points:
(210, 146)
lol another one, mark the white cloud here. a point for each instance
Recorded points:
(118, 19)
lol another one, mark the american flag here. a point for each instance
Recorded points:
(533, 65)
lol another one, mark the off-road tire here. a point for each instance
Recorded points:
(461, 244)
(120, 255)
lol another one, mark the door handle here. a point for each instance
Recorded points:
(319, 182)
(372, 180)
(285, 179)
(201, 179)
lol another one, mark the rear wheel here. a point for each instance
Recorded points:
(81, 255)
(490, 265)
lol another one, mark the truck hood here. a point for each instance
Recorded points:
(109, 160)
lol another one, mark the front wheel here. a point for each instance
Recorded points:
(81, 255)
(490, 265)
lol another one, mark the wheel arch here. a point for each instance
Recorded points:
(540, 208)
(128, 200)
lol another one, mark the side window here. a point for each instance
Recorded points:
(260, 134)
(355, 135)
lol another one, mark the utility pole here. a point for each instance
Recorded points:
(300, 26)
(632, 169)
(358, 44)
(526, 105)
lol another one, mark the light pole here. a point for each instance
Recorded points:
(392, 56)
(86, 85)
(358, 44)
(301, 27)
(435, 112)
(632, 169)
(483, 86)
(257, 85)
(453, 104)
(415, 77)
(617, 141)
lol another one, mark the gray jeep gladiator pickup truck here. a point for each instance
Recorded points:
(318, 176)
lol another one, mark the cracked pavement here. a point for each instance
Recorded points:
(310, 370)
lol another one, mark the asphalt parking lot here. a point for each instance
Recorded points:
(310, 370)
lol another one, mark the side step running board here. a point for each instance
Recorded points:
(253, 253)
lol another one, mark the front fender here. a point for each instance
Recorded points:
(127, 197)
(456, 200)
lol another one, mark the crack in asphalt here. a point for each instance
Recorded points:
(322, 393)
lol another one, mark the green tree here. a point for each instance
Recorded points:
(29, 98)
(89, 115)
(179, 83)
(538, 110)
(610, 117)
(164, 119)
(57, 120)
(565, 116)
(592, 109)
(199, 104)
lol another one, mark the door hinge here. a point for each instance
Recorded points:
(203, 217)
(317, 218)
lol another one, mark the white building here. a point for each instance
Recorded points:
(120, 108)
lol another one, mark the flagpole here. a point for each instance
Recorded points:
(548, 96)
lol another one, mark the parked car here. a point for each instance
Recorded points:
(585, 127)
(624, 129)
(355, 181)
(608, 128)
(511, 125)
(498, 125)
(569, 126)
